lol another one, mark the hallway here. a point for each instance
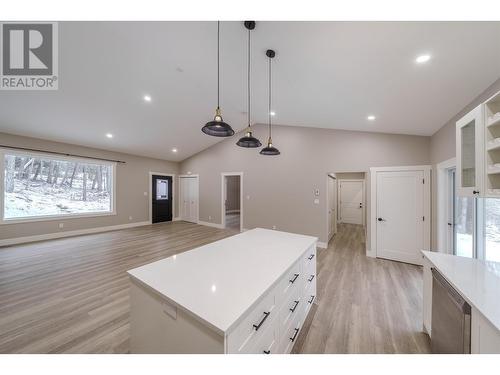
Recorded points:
(364, 305)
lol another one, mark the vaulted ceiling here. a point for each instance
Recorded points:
(326, 74)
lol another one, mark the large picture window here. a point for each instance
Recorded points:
(43, 186)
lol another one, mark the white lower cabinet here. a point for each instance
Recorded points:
(485, 339)
(272, 327)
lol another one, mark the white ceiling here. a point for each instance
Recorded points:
(326, 74)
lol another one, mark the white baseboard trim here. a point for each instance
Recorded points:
(371, 253)
(177, 218)
(322, 245)
(209, 224)
(70, 233)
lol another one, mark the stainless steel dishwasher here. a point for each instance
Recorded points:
(450, 318)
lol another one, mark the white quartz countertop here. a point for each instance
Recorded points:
(217, 283)
(477, 281)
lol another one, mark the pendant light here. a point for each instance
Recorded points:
(217, 127)
(270, 149)
(249, 141)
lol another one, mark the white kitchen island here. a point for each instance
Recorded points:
(249, 293)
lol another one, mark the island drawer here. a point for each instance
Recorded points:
(288, 283)
(268, 343)
(290, 309)
(245, 336)
(289, 336)
(309, 260)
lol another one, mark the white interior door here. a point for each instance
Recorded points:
(332, 207)
(400, 215)
(351, 201)
(189, 199)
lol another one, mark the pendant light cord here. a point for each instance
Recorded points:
(218, 63)
(248, 78)
(269, 113)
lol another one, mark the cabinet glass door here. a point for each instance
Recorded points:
(468, 158)
(470, 153)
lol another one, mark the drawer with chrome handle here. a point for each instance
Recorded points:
(296, 303)
(311, 300)
(311, 278)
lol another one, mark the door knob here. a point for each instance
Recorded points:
(380, 219)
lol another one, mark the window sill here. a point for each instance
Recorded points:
(35, 219)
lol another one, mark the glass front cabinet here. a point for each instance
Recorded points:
(469, 141)
(478, 150)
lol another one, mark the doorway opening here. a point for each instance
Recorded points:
(331, 203)
(351, 198)
(161, 192)
(232, 200)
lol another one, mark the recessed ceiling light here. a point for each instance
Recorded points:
(371, 118)
(109, 135)
(422, 59)
(147, 98)
(272, 113)
(174, 150)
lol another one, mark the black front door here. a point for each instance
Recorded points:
(161, 198)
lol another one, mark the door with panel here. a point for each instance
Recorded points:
(351, 201)
(400, 215)
(161, 199)
(189, 198)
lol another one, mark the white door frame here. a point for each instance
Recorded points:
(223, 176)
(197, 177)
(328, 176)
(372, 227)
(442, 202)
(150, 197)
(339, 181)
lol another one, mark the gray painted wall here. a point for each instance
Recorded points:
(280, 190)
(132, 180)
(443, 148)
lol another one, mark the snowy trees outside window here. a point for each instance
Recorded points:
(37, 186)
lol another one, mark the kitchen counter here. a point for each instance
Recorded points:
(477, 281)
(221, 291)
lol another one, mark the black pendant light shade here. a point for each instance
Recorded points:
(217, 127)
(249, 141)
(270, 149)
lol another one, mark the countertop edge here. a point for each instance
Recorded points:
(220, 330)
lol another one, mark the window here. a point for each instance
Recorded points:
(40, 187)
(491, 208)
(464, 226)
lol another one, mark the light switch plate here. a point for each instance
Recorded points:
(316, 201)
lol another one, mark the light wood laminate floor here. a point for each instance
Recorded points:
(71, 295)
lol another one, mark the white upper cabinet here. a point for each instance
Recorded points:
(470, 153)
(492, 146)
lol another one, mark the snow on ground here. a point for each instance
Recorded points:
(42, 199)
